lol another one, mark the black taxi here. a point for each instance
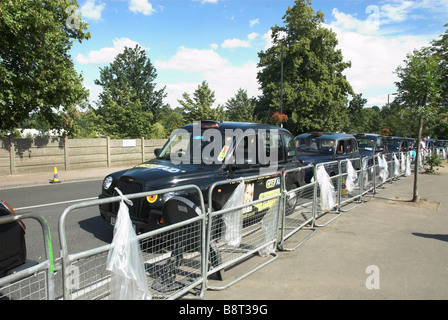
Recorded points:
(201, 154)
(397, 144)
(371, 144)
(320, 147)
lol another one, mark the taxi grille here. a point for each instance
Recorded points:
(129, 187)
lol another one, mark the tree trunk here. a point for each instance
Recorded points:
(415, 197)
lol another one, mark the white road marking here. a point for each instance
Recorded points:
(54, 204)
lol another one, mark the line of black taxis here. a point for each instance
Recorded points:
(291, 152)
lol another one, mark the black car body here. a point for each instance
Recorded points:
(12, 242)
(370, 144)
(316, 147)
(412, 143)
(203, 153)
(397, 144)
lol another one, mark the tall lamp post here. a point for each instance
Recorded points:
(388, 106)
(281, 77)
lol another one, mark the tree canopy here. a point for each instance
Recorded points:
(129, 101)
(241, 107)
(200, 107)
(419, 91)
(36, 71)
(315, 92)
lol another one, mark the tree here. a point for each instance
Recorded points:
(122, 114)
(200, 106)
(315, 92)
(440, 49)
(37, 74)
(356, 115)
(418, 91)
(131, 71)
(171, 119)
(240, 107)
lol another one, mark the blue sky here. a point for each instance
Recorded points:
(189, 41)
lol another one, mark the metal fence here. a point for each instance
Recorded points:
(33, 281)
(173, 256)
(181, 258)
(244, 228)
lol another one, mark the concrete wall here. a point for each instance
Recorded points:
(23, 156)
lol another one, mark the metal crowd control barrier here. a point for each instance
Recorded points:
(174, 256)
(35, 282)
(182, 257)
(336, 181)
(301, 213)
(355, 195)
(232, 239)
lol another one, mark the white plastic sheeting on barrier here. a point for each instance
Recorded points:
(352, 176)
(233, 220)
(396, 166)
(327, 195)
(403, 162)
(384, 171)
(269, 228)
(408, 166)
(365, 163)
(128, 281)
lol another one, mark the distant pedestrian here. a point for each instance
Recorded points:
(423, 152)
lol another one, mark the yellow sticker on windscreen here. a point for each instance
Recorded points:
(223, 153)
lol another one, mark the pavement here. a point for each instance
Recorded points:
(42, 178)
(385, 249)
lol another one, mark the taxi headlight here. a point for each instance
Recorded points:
(107, 182)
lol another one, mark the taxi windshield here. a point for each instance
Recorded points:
(393, 145)
(315, 145)
(366, 144)
(204, 147)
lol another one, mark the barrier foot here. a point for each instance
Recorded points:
(275, 256)
(282, 248)
(338, 214)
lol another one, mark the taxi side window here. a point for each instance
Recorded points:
(246, 151)
(340, 148)
(290, 147)
(353, 145)
(271, 141)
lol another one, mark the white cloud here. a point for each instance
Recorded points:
(267, 37)
(374, 55)
(92, 11)
(106, 55)
(238, 43)
(189, 60)
(397, 13)
(254, 22)
(141, 6)
(222, 77)
(207, 1)
(252, 36)
(235, 43)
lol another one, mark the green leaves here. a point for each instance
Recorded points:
(36, 71)
(200, 106)
(129, 101)
(315, 92)
(240, 107)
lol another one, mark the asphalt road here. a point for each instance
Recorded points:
(85, 228)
